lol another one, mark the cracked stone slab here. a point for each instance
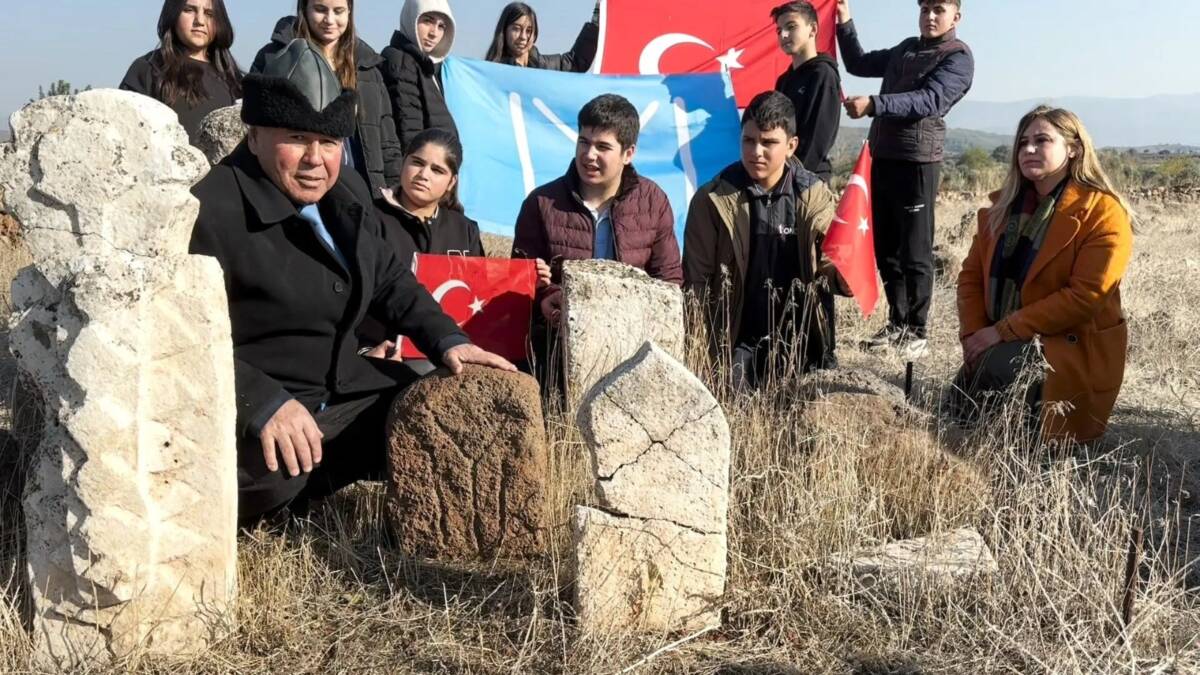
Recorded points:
(949, 557)
(467, 465)
(645, 575)
(131, 504)
(102, 172)
(659, 442)
(609, 311)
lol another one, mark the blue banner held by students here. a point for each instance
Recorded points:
(517, 127)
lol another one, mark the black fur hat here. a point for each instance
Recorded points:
(297, 89)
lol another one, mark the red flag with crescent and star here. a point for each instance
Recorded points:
(850, 242)
(702, 36)
(491, 299)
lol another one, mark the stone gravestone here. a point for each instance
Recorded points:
(609, 311)
(468, 465)
(946, 558)
(220, 132)
(652, 556)
(131, 505)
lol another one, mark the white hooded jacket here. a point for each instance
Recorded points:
(413, 10)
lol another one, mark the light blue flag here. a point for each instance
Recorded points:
(517, 127)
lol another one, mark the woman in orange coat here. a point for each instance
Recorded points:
(1047, 263)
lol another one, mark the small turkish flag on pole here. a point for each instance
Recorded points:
(491, 299)
(850, 243)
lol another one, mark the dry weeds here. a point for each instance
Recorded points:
(333, 595)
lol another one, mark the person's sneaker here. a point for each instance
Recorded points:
(912, 346)
(888, 336)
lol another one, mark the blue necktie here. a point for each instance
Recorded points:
(313, 215)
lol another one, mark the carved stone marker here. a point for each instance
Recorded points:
(468, 466)
(653, 555)
(609, 311)
(131, 505)
(948, 558)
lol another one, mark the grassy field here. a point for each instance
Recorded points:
(332, 595)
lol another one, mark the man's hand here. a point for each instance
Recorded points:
(384, 350)
(843, 11)
(543, 273)
(976, 345)
(859, 106)
(293, 434)
(456, 357)
(551, 306)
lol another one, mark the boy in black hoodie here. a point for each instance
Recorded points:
(813, 85)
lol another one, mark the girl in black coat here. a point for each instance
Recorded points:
(422, 214)
(412, 68)
(192, 70)
(517, 33)
(373, 151)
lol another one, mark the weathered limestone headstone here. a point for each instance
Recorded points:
(131, 505)
(946, 558)
(652, 556)
(468, 465)
(609, 311)
(220, 132)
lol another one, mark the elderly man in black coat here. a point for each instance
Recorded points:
(304, 262)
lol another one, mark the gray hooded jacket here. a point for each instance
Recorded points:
(414, 78)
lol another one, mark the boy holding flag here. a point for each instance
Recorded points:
(758, 226)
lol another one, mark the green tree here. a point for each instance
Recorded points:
(975, 159)
(58, 88)
(1002, 153)
(1178, 172)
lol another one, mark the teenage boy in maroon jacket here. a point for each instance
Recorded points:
(923, 78)
(601, 208)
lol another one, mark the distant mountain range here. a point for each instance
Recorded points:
(851, 138)
(1113, 122)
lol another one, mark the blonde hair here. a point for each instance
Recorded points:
(1084, 169)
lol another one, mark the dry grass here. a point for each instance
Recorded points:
(333, 595)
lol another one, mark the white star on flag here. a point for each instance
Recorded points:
(864, 226)
(730, 60)
(476, 307)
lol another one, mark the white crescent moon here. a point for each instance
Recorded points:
(648, 64)
(446, 288)
(860, 182)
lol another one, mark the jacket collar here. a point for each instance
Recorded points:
(950, 36)
(270, 204)
(264, 197)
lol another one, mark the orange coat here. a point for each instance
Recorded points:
(1071, 300)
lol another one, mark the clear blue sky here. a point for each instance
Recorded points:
(1023, 48)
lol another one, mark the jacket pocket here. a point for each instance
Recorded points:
(1106, 350)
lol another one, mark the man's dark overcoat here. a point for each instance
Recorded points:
(293, 306)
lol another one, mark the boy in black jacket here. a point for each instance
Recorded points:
(923, 78)
(813, 85)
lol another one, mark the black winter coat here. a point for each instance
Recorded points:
(382, 154)
(578, 60)
(145, 77)
(414, 83)
(922, 81)
(815, 89)
(293, 307)
(448, 233)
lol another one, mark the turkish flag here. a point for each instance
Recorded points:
(491, 299)
(850, 243)
(703, 36)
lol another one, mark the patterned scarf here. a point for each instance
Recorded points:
(1017, 248)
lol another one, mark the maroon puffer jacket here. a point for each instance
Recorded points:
(554, 222)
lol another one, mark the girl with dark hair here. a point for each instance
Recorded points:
(192, 70)
(422, 214)
(374, 151)
(517, 33)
